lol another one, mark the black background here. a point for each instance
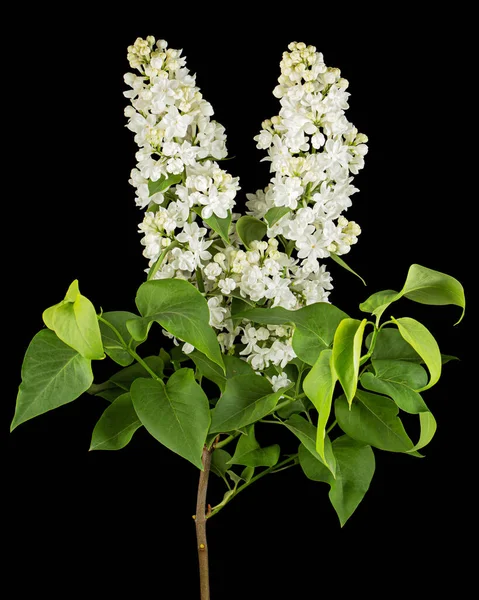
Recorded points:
(120, 523)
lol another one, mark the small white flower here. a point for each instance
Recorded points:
(280, 381)
(227, 286)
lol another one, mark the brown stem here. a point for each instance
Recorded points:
(200, 522)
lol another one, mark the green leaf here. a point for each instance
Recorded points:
(207, 368)
(219, 463)
(221, 226)
(390, 345)
(180, 308)
(246, 399)
(247, 474)
(250, 229)
(275, 214)
(423, 342)
(177, 415)
(422, 285)
(347, 345)
(318, 385)
(110, 394)
(428, 429)
(306, 433)
(237, 366)
(249, 453)
(116, 426)
(53, 374)
(124, 378)
(399, 380)
(378, 302)
(355, 469)
(112, 345)
(163, 183)
(315, 326)
(426, 286)
(341, 262)
(373, 420)
(75, 322)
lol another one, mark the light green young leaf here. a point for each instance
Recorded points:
(399, 380)
(315, 326)
(246, 399)
(422, 285)
(276, 213)
(428, 429)
(306, 433)
(373, 420)
(250, 229)
(116, 426)
(354, 472)
(112, 345)
(163, 183)
(318, 385)
(53, 374)
(177, 414)
(347, 345)
(377, 303)
(75, 322)
(337, 259)
(426, 286)
(181, 309)
(221, 226)
(249, 453)
(423, 342)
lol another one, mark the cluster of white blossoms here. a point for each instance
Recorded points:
(314, 151)
(189, 198)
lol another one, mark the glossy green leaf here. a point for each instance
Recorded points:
(399, 380)
(426, 286)
(110, 394)
(124, 378)
(318, 385)
(246, 399)
(354, 472)
(237, 366)
(315, 326)
(373, 420)
(337, 259)
(207, 368)
(250, 229)
(221, 226)
(116, 426)
(53, 374)
(181, 309)
(176, 414)
(247, 474)
(163, 183)
(423, 342)
(249, 453)
(347, 345)
(390, 345)
(306, 433)
(276, 213)
(111, 343)
(428, 429)
(75, 322)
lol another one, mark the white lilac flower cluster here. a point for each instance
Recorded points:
(312, 148)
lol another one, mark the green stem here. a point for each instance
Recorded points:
(130, 351)
(371, 347)
(332, 426)
(227, 440)
(253, 479)
(152, 272)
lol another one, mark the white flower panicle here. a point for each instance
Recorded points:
(312, 149)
